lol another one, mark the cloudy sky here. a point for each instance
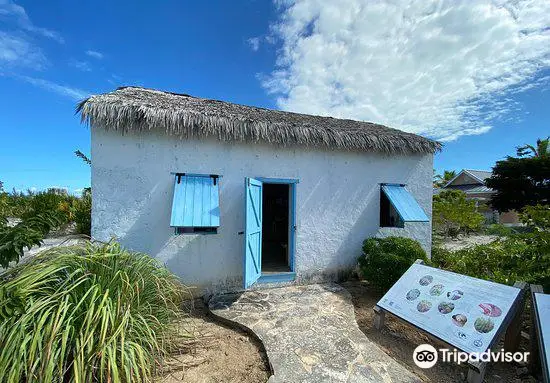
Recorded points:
(473, 74)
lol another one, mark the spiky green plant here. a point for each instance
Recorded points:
(88, 314)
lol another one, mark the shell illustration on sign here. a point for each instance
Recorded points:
(460, 320)
(446, 307)
(483, 325)
(491, 310)
(426, 280)
(424, 306)
(413, 294)
(436, 290)
(454, 295)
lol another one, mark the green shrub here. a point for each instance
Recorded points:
(26, 234)
(500, 230)
(384, 260)
(519, 257)
(14, 204)
(83, 213)
(88, 314)
(454, 214)
(536, 217)
(51, 201)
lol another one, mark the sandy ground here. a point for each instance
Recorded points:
(219, 354)
(462, 241)
(399, 340)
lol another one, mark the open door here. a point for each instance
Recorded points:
(253, 231)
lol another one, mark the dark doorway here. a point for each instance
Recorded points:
(275, 228)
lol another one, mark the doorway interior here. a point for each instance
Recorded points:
(276, 228)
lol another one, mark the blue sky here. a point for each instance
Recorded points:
(474, 75)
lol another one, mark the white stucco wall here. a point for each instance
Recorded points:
(337, 201)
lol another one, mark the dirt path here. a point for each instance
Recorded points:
(463, 242)
(219, 355)
(399, 341)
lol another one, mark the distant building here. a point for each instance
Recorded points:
(472, 182)
(59, 191)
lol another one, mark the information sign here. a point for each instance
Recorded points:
(465, 312)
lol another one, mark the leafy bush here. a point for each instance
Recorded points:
(14, 204)
(519, 257)
(500, 230)
(83, 213)
(454, 214)
(26, 234)
(384, 260)
(51, 201)
(86, 314)
(536, 217)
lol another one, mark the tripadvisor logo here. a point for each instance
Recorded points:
(426, 356)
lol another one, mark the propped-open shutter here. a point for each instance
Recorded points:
(253, 231)
(404, 203)
(196, 201)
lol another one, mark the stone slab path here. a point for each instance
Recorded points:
(310, 335)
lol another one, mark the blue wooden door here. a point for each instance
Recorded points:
(253, 231)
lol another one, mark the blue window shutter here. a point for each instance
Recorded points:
(196, 202)
(404, 203)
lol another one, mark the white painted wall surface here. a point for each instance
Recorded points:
(337, 202)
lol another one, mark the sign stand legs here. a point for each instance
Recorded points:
(513, 332)
(534, 352)
(379, 317)
(476, 372)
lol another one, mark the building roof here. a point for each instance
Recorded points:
(138, 109)
(481, 175)
(477, 176)
(471, 189)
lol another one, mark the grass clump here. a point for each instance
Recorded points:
(88, 313)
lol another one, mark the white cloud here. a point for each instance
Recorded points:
(16, 50)
(83, 66)
(17, 38)
(438, 68)
(94, 54)
(17, 15)
(254, 43)
(63, 90)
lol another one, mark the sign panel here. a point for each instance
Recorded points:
(463, 311)
(542, 307)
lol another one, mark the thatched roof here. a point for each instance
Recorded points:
(138, 109)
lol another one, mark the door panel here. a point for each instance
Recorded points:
(253, 231)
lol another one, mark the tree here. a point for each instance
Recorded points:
(520, 182)
(541, 150)
(454, 214)
(442, 180)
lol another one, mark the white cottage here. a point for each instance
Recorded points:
(230, 196)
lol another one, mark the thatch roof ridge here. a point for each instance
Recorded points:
(137, 109)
